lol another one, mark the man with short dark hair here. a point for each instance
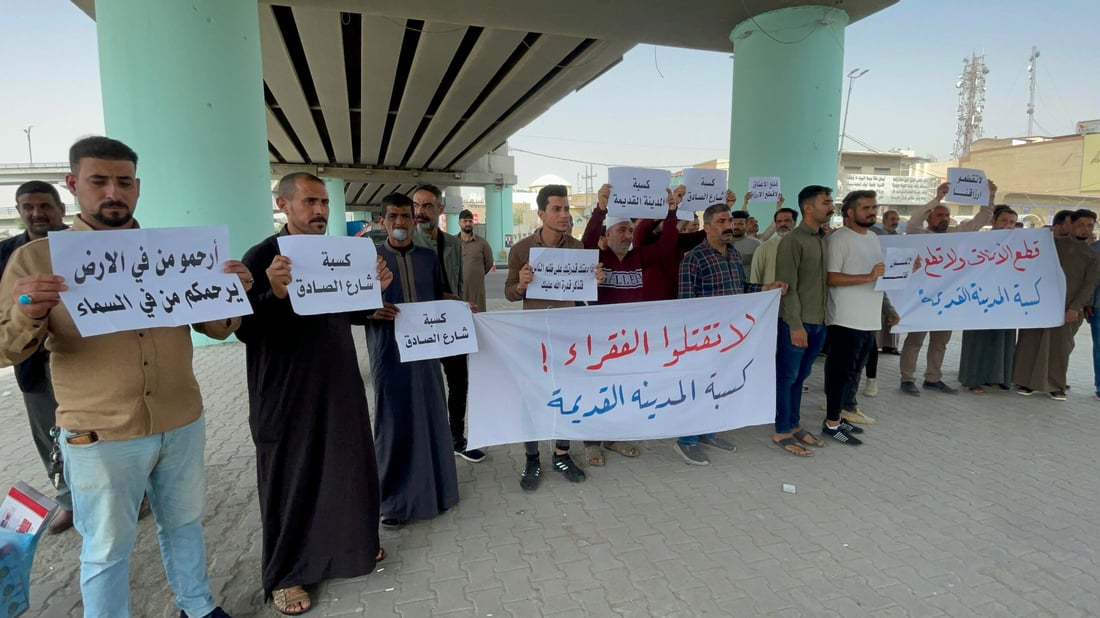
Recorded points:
(477, 261)
(428, 205)
(553, 210)
(939, 219)
(306, 395)
(1062, 224)
(802, 261)
(854, 311)
(713, 268)
(417, 473)
(41, 209)
(1042, 354)
(129, 407)
(745, 243)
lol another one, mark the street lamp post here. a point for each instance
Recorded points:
(853, 75)
(30, 151)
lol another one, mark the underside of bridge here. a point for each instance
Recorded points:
(387, 94)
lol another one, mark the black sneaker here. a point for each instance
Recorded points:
(531, 473)
(850, 428)
(568, 468)
(840, 435)
(475, 455)
(217, 613)
(392, 522)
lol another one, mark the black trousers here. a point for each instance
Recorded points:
(458, 385)
(848, 350)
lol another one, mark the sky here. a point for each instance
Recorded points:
(647, 110)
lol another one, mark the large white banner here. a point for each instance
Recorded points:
(981, 280)
(634, 371)
(143, 278)
(893, 190)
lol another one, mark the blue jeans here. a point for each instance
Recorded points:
(1094, 326)
(695, 439)
(107, 479)
(792, 367)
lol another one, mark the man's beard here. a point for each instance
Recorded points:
(468, 229)
(782, 233)
(113, 221)
(865, 224)
(425, 226)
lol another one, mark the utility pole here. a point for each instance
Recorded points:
(853, 75)
(30, 151)
(590, 173)
(1031, 70)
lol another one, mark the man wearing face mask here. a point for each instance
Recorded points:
(41, 209)
(412, 439)
(427, 207)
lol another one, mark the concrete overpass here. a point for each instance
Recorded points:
(379, 95)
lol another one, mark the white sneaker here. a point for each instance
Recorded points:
(871, 389)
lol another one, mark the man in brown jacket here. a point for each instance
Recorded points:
(129, 406)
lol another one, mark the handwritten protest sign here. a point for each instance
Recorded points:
(563, 274)
(764, 188)
(968, 186)
(331, 274)
(702, 188)
(434, 329)
(638, 192)
(980, 280)
(633, 371)
(899, 265)
(142, 278)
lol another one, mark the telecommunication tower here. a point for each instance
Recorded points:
(1032, 63)
(971, 87)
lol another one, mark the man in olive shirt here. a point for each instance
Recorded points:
(129, 406)
(802, 261)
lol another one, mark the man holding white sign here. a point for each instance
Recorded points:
(305, 396)
(938, 217)
(129, 406)
(553, 211)
(412, 433)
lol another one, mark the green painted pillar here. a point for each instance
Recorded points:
(786, 100)
(498, 219)
(452, 205)
(183, 86)
(337, 207)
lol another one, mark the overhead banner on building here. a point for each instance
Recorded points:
(893, 190)
(980, 280)
(634, 371)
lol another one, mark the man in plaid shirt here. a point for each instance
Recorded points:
(714, 268)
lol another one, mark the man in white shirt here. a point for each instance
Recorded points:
(853, 309)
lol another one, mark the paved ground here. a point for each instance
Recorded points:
(958, 506)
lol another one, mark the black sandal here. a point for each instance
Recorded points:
(787, 443)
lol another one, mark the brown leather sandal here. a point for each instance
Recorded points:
(294, 596)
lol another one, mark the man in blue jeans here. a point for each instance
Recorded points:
(714, 268)
(128, 403)
(802, 261)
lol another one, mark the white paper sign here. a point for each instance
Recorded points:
(632, 371)
(563, 274)
(980, 280)
(968, 186)
(434, 329)
(144, 278)
(899, 265)
(638, 192)
(702, 188)
(892, 190)
(331, 274)
(764, 188)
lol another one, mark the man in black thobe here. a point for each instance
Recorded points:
(315, 463)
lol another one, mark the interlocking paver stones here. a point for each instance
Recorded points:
(965, 505)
